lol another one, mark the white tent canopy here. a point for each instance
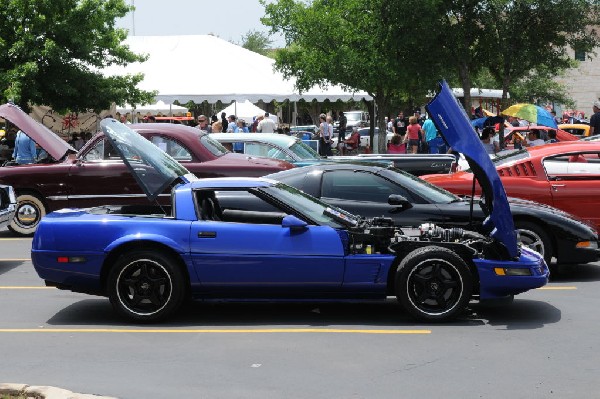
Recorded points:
(245, 110)
(480, 93)
(187, 68)
(156, 108)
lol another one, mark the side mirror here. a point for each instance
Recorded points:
(399, 200)
(293, 223)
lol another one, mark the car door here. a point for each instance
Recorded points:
(100, 177)
(366, 194)
(266, 257)
(576, 188)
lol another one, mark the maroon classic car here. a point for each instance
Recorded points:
(96, 175)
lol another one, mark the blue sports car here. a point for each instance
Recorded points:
(291, 246)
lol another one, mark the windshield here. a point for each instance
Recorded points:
(432, 194)
(213, 145)
(304, 151)
(318, 211)
(153, 169)
(508, 157)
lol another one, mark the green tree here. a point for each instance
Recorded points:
(539, 87)
(530, 39)
(256, 41)
(358, 44)
(52, 53)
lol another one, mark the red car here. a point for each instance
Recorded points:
(96, 175)
(565, 175)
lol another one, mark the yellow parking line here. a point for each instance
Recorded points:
(14, 239)
(16, 260)
(14, 287)
(565, 287)
(210, 331)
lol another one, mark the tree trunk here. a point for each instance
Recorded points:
(465, 80)
(382, 107)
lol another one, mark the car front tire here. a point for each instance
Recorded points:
(146, 286)
(30, 210)
(433, 284)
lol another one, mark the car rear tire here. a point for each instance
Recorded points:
(533, 236)
(433, 284)
(30, 210)
(146, 286)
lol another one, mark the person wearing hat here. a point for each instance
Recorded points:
(266, 125)
(595, 119)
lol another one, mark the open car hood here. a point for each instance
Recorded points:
(44, 137)
(153, 169)
(452, 122)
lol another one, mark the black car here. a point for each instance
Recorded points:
(372, 191)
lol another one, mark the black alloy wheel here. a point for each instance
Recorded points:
(434, 284)
(146, 286)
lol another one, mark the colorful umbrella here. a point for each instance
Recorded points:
(532, 113)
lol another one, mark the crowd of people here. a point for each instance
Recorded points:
(232, 124)
(414, 134)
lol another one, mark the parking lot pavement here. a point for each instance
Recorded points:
(542, 345)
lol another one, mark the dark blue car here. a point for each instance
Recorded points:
(289, 246)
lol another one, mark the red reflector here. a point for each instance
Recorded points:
(62, 259)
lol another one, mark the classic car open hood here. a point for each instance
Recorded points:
(44, 137)
(452, 122)
(153, 168)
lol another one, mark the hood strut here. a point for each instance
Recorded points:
(471, 202)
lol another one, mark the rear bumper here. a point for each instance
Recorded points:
(494, 285)
(77, 277)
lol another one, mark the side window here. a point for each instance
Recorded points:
(257, 149)
(171, 147)
(236, 207)
(101, 151)
(359, 186)
(277, 153)
(585, 163)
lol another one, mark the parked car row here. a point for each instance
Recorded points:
(96, 176)
(280, 245)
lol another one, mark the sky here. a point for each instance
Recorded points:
(227, 19)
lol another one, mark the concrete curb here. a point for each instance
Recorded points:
(44, 392)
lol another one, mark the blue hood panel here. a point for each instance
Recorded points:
(451, 120)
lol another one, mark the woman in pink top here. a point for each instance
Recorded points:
(412, 135)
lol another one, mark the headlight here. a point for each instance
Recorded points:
(510, 271)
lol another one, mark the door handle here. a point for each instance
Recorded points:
(207, 234)
(556, 186)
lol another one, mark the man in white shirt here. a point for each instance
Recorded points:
(266, 125)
